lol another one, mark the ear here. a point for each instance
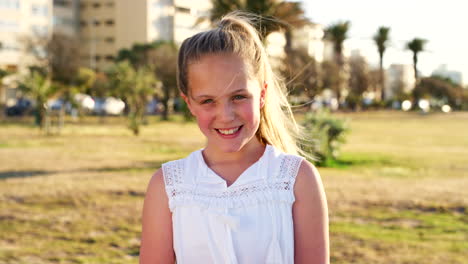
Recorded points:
(187, 101)
(263, 94)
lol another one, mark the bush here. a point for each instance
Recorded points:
(326, 134)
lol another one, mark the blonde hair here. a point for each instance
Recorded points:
(235, 34)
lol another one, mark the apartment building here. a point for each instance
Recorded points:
(106, 26)
(399, 77)
(310, 37)
(66, 17)
(19, 19)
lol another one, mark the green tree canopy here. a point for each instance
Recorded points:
(416, 46)
(135, 86)
(337, 33)
(273, 15)
(440, 89)
(40, 88)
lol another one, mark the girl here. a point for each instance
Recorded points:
(247, 197)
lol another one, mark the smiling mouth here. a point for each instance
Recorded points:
(229, 131)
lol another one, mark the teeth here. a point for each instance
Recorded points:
(228, 131)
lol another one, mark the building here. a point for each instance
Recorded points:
(19, 19)
(66, 17)
(310, 37)
(454, 76)
(111, 25)
(399, 78)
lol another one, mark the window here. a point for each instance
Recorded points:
(39, 29)
(110, 22)
(97, 58)
(39, 10)
(96, 23)
(96, 5)
(62, 3)
(63, 21)
(109, 40)
(183, 9)
(10, 4)
(9, 26)
(109, 58)
(110, 4)
(83, 23)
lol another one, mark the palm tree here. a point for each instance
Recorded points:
(40, 88)
(136, 86)
(3, 73)
(274, 15)
(381, 39)
(416, 45)
(161, 57)
(337, 34)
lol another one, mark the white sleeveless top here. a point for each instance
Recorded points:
(248, 222)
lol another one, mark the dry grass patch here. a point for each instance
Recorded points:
(397, 196)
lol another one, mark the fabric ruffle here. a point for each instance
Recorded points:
(275, 192)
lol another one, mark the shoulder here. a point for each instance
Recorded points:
(155, 192)
(310, 214)
(156, 224)
(156, 182)
(308, 182)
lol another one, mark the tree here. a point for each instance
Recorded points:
(359, 81)
(302, 73)
(3, 73)
(381, 39)
(163, 61)
(337, 34)
(439, 89)
(416, 46)
(330, 75)
(161, 57)
(40, 88)
(58, 54)
(273, 15)
(135, 86)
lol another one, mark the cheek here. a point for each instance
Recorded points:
(251, 113)
(204, 119)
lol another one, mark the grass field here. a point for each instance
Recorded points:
(398, 195)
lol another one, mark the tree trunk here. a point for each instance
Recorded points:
(288, 46)
(415, 66)
(165, 102)
(382, 80)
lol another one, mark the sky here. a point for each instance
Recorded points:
(444, 24)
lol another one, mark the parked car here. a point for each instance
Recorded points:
(108, 106)
(86, 102)
(21, 107)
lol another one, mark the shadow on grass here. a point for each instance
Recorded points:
(24, 174)
(140, 166)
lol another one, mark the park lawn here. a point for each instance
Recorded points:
(398, 194)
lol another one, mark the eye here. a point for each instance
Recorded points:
(207, 101)
(238, 97)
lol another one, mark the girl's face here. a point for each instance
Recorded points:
(225, 101)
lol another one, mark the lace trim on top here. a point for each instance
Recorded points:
(278, 188)
(173, 172)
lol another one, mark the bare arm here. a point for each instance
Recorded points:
(310, 213)
(156, 237)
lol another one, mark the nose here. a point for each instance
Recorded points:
(226, 112)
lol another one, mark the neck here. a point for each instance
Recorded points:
(249, 153)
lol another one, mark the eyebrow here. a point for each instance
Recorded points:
(209, 96)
